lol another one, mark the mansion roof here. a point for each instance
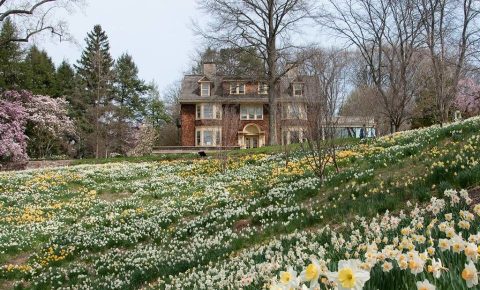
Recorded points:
(190, 89)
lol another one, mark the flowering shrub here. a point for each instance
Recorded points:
(13, 142)
(144, 140)
(48, 125)
(27, 121)
(468, 97)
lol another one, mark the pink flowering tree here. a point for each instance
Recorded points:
(13, 141)
(32, 124)
(468, 97)
(49, 128)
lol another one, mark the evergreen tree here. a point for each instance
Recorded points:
(95, 67)
(65, 81)
(155, 109)
(129, 89)
(95, 73)
(39, 72)
(128, 92)
(10, 57)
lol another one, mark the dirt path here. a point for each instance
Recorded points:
(48, 164)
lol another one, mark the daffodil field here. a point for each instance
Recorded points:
(397, 216)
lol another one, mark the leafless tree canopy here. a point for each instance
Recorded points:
(265, 25)
(395, 36)
(451, 35)
(386, 34)
(328, 71)
(35, 16)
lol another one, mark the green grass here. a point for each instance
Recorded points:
(191, 156)
(366, 186)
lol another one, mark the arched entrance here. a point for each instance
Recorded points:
(251, 136)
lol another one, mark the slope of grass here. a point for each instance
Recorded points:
(182, 222)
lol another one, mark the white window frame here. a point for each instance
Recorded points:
(295, 111)
(287, 134)
(202, 89)
(216, 137)
(216, 111)
(262, 88)
(235, 88)
(297, 87)
(247, 109)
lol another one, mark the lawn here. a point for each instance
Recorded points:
(188, 223)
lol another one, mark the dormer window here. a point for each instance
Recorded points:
(297, 90)
(205, 89)
(237, 89)
(262, 89)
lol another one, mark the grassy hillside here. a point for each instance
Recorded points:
(185, 224)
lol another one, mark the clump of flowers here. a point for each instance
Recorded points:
(432, 241)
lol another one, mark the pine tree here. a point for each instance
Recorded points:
(95, 72)
(95, 67)
(39, 72)
(64, 81)
(129, 89)
(128, 92)
(10, 58)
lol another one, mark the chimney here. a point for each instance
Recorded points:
(292, 70)
(209, 69)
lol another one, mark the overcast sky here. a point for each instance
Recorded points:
(155, 32)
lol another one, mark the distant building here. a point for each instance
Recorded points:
(206, 98)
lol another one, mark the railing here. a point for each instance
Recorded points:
(194, 148)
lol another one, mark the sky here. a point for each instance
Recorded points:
(157, 33)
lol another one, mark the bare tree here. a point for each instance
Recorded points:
(324, 95)
(35, 16)
(264, 25)
(450, 29)
(386, 34)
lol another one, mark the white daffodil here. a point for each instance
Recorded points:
(436, 268)
(425, 285)
(470, 274)
(289, 279)
(312, 273)
(416, 264)
(471, 251)
(444, 244)
(349, 275)
(458, 244)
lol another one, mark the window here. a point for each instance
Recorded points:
(237, 89)
(208, 136)
(205, 89)
(293, 135)
(262, 89)
(297, 90)
(209, 111)
(199, 137)
(252, 112)
(295, 111)
(199, 112)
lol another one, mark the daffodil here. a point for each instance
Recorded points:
(416, 264)
(289, 279)
(349, 275)
(470, 274)
(425, 285)
(312, 273)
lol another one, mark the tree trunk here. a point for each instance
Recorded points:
(272, 75)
